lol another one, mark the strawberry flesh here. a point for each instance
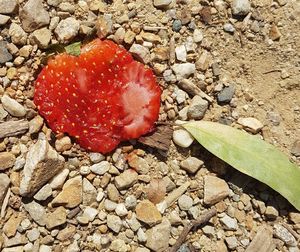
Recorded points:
(101, 97)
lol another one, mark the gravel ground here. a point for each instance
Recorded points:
(231, 61)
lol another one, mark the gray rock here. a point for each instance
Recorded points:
(283, 234)
(158, 236)
(100, 168)
(67, 29)
(141, 53)
(8, 6)
(126, 179)
(197, 108)
(3, 19)
(110, 205)
(42, 164)
(229, 223)
(191, 164)
(176, 26)
(232, 242)
(90, 213)
(141, 235)
(96, 157)
(229, 28)
(17, 34)
(12, 106)
(44, 193)
(183, 70)
(226, 94)
(185, 202)
(4, 184)
(130, 202)
(37, 212)
(4, 53)
(240, 7)
(215, 190)
(133, 223)
(33, 15)
(209, 231)
(162, 3)
(114, 223)
(33, 234)
(41, 37)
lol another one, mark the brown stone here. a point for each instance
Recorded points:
(10, 227)
(147, 212)
(215, 190)
(71, 194)
(262, 241)
(57, 218)
(7, 160)
(4, 184)
(66, 233)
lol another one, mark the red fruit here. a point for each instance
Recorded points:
(101, 97)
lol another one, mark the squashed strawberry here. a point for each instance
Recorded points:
(101, 97)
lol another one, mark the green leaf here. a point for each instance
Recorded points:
(250, 155)
(73, 49)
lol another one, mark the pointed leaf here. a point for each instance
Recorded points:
(250, 155)
(73, 49)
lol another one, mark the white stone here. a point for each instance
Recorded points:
(45, 248)
(240, 7)
(100, 168)
(162, 3)
(141, 235)
(114, 223)
(59, 179)
(251, 124)
(44, 193)
(100, 196)
(183, 70)
(67, 29)
(12, 106)
(90, 213)
(197, 35)
(181, 53)
(121, 210)
(229, 223)
(182, 138)
(185, 202)
(141, 53)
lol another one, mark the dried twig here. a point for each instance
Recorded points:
(272, 71)
(196, 223)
